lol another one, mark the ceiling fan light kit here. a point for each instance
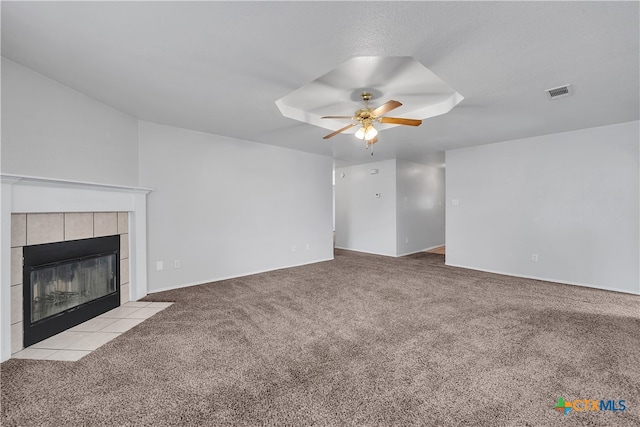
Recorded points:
(365, 118)
(369, 133)
(360, 133)
(426, 95)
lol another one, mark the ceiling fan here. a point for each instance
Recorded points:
(365, 118)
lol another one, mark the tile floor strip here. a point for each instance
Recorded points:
(79, 341)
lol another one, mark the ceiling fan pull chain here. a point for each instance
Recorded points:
(367, 145)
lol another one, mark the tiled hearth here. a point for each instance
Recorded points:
(38, 228)
(79, 341)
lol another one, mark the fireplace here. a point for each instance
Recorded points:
(67, 283)
(43, 210)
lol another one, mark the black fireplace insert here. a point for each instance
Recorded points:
(67, 283)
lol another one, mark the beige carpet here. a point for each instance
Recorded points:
(361, 340)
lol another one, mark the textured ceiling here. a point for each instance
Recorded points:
(219, 67)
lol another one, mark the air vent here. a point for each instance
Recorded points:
(559, 92)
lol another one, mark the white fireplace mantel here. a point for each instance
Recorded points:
(29, 194)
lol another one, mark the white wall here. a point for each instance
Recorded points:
(364, 222)
(572, 198)
(50, 130)
(226, 208)
(420, 207)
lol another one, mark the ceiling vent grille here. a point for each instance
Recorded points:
(559, 92)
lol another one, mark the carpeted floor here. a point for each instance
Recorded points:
(361, 340)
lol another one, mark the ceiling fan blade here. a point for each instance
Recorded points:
(338, 117)
(339, 131)
(385, 108)
(400, 121)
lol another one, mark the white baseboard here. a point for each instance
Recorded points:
(363, 252)
(420, 250)
(545, 279)
(219, 279)
(394, 256)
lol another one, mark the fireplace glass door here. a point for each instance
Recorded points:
(61, 286)
(67, 283)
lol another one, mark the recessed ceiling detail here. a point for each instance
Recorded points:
(422, 93)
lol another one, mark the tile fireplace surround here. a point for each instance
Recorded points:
(39, 210)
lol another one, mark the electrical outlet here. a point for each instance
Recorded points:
(534, 257)
(159, 265)
(308, 246)
(406, 240)
(293, 249)
(176, 263)
(455, 202)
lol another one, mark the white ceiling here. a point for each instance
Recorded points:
(219, 67)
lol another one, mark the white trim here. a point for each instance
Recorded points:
(392, 256)
(37, 194)
(420, 250)
(38, 180)
(5, 269)
(543, 279)
(138, 248)
(365, 252)
(220, 279)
